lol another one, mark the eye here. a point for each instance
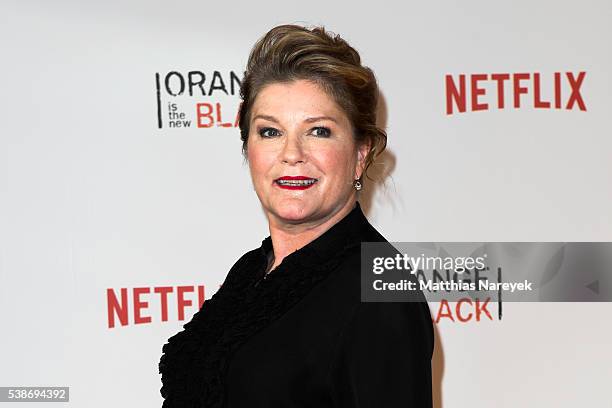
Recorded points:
(268, 132)
(321, 131)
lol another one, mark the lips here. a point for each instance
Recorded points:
(295, 182)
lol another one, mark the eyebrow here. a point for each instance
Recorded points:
(307, 120)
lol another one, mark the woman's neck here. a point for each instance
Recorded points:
(287, 238)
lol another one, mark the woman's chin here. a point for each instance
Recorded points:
(293, 211)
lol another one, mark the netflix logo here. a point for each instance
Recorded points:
(478, 92)
(135, 305)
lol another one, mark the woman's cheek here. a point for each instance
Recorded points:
(258, 161)
(342, 163)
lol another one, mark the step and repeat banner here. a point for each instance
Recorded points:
(125, 200)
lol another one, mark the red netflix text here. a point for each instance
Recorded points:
(523, 89)
(131, 306)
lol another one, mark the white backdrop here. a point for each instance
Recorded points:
(95, 198)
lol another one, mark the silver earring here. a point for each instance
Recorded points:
(357, 185)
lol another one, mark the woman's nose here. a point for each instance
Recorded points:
(293, 151)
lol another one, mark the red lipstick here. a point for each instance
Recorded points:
(295, 182)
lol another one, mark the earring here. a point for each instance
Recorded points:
(357, 185)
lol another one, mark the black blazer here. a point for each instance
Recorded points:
(300, 336)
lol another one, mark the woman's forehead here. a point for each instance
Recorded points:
(300, 99)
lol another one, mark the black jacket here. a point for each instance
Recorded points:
(301, 337)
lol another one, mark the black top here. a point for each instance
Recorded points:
(300, 336)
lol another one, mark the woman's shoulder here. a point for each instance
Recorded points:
(385, 317)
(348, 261)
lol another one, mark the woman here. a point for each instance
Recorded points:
(287, 327)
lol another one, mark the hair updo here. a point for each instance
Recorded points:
(290, 52)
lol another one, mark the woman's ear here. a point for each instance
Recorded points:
(362, 153)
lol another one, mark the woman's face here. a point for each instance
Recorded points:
(301, 152)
